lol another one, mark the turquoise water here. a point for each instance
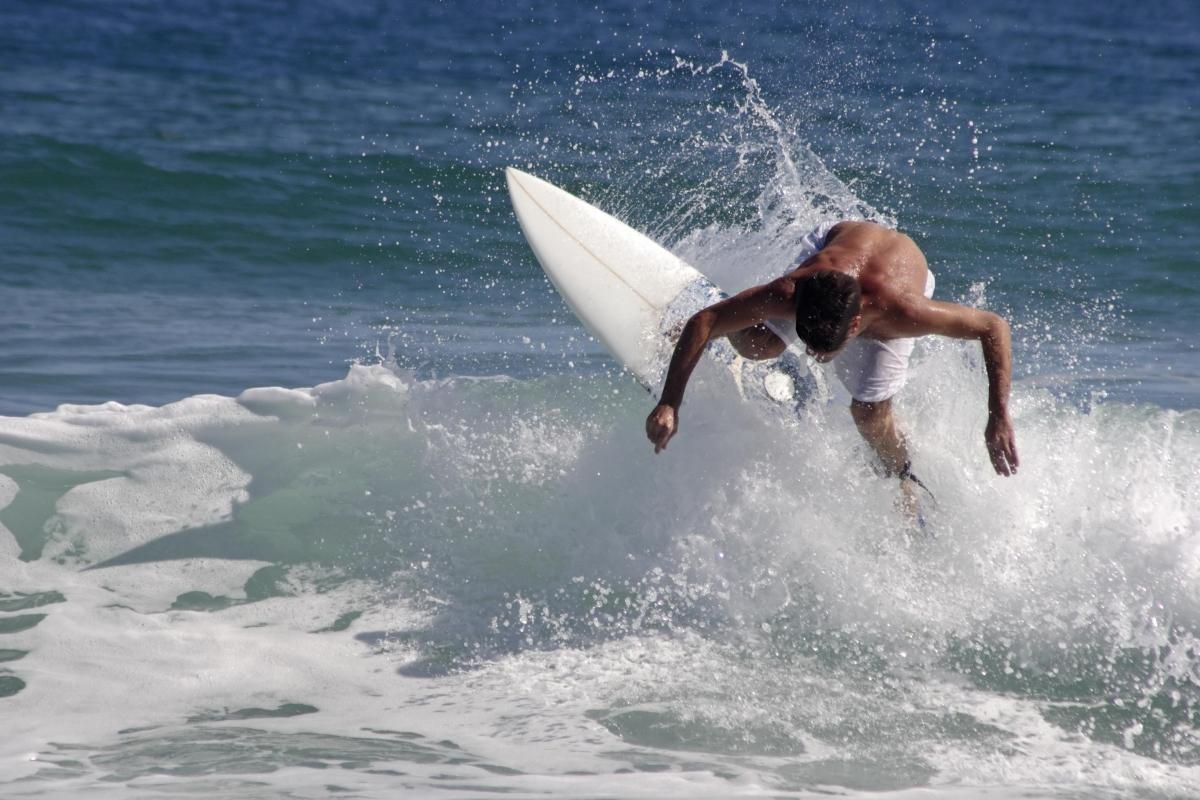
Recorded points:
(452, 566)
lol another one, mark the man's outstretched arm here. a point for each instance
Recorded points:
(949, 319)
(770, 300)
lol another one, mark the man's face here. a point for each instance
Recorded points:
(822, 356)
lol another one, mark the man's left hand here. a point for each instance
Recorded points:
(1001, 444)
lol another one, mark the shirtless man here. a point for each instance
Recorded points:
(861, 298)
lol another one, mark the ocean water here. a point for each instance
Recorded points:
(310, 485)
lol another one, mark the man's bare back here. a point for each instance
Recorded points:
(878, 276)
(886, 263)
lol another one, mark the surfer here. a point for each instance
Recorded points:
(860, 298)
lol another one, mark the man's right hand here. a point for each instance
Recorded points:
(661, 426)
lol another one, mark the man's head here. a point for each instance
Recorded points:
(828, 311)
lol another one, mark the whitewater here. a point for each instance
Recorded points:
(489, 585)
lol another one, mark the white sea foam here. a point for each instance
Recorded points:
(744, 612)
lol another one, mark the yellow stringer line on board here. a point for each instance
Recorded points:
(586, 249)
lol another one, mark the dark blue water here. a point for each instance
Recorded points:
(208, 196)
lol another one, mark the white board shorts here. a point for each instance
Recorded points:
(872, 370)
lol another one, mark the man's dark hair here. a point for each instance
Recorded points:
(826, 303)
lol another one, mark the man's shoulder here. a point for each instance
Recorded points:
(785, 285)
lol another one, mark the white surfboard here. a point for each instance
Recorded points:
(633, 294)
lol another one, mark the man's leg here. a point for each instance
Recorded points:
(757, 342)
(878, 427)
